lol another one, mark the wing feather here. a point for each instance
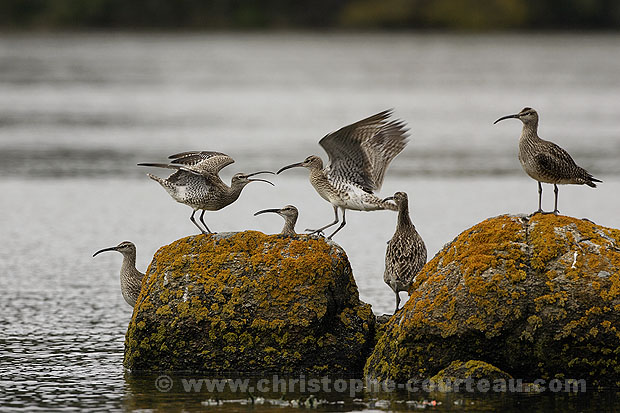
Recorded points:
(202, 162)
(362, 151)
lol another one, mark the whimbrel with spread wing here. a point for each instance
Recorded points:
(196, 182)
(359, 155)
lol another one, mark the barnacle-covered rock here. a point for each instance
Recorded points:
(248, 302)
(538, 297)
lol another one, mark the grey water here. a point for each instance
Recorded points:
(78, 111)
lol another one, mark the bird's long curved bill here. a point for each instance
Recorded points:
(389, 198)
(104, 250)
(506, 117)
(294, 165)
(264, 211)
(260, 172)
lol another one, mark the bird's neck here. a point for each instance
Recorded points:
(529, 132)
(404, 220)
(234, 191)
(289, 226)
(129, 264)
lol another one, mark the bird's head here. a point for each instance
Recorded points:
(241, 179)
(527, 115)
(288, 211)
(125, 248)
(399, 198)
(311, 162)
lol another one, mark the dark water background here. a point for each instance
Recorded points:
(78, 111)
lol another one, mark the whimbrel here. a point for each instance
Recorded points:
(131, 278)
(359, 155)
(196, 182)
(406, 252)
(289, 213)
(545, 161)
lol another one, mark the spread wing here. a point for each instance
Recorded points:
(202, 162)
(361, 152)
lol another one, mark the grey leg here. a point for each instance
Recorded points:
(191, 218)
(539, 197)
(316, 231)
(556, 191)
(342, 224)
(202, 214)
(397, 302)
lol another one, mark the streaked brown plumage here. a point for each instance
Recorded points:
(196, 182)
(545, 161)
(359, 155)
(406, 252)
(131, 278)
(289, 213)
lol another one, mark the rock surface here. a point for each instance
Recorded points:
(470, 370)
(247, 303)
(538, 297)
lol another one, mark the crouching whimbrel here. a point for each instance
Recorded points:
(406, 252)
(359, 155)
(289, 213)
(545, 161)
(131, 278)
(196, 182)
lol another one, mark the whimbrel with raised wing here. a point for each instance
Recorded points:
(406, 252)
(196, 182)
(545, 161)
(289, 213)
(131, 278)
(359, 155)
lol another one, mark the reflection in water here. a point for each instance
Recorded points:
(166, 391)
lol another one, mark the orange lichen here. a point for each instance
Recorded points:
(532, 294)
(255, 293)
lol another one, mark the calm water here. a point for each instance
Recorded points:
(77, 112)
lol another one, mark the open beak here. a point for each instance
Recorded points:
(260, 180)
(294, 165)
(105, 249)
(515, 116)
(275, 210)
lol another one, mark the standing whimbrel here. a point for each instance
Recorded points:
(406, 252)
(545, 161)
(131, 278)
(289, 213)
(359, 155)
(196, 182)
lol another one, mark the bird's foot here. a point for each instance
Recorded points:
(315, 232)
(555, 212)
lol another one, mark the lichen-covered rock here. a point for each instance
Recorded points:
(470, 370)
(247, 302)
(536, 296)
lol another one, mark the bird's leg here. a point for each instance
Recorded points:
(316, 231)
(202, 214)
(555, 191)
(397, 302)
(540, 210)
(191, 218)
(342, 224)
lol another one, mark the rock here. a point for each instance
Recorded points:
(458, 374)
(536, 296)
(247, 302)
